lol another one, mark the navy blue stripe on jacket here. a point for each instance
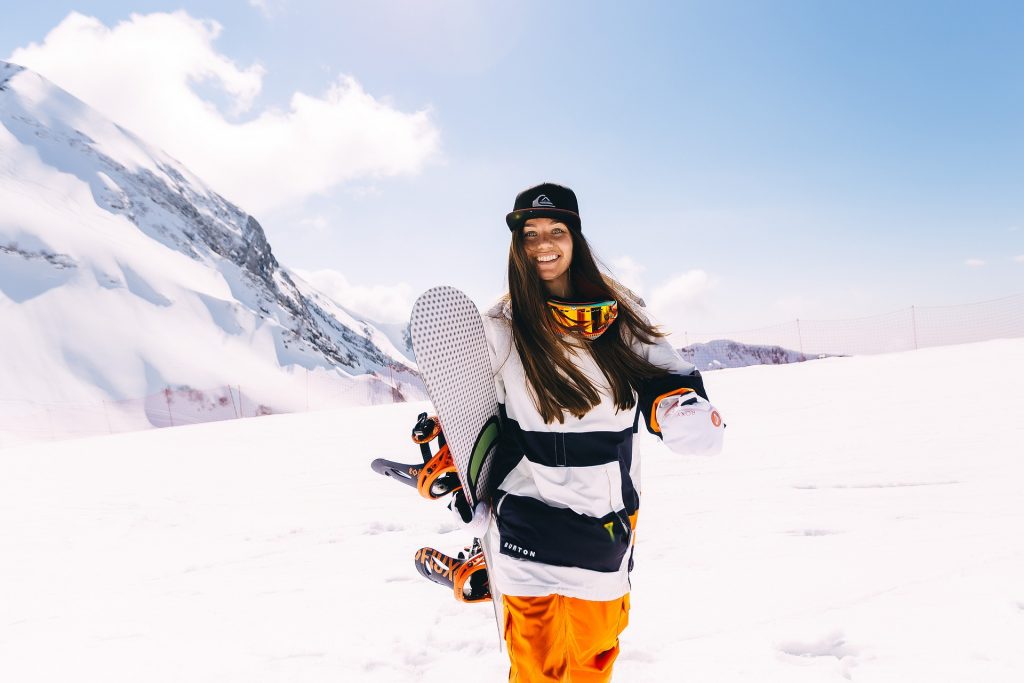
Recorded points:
(534, 531)
(567, 449)
(571, 449)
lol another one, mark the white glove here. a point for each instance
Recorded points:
(690, 425)
(481, 519)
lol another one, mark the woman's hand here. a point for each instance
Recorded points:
(475, 520)
(690, 425)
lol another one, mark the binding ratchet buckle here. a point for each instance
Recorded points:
(438, 476)
(470, 581)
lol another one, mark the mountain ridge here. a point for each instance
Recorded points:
(720, 354)
(98, 220)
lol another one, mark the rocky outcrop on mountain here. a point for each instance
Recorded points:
(723, 353)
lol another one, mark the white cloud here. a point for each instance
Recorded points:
(315, 224)
(361, 191)
(676, 302)
(381, 303)
(142, 74)
(685, 289)
(268, 8)
(628, 272)
(794, 306)
(1019, 259)
(974, 263)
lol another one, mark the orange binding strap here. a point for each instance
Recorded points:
(435, 468)
(464, 589)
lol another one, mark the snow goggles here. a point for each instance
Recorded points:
(589, 320)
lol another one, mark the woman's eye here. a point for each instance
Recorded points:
(530, 235)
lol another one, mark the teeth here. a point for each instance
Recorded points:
(547, 257)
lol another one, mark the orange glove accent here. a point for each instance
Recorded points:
(655, 427)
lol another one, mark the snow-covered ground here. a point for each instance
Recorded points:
(864, 523)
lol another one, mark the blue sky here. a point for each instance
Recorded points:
(741, 163)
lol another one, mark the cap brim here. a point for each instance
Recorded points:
(516, 219)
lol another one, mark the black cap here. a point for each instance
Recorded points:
(546, 200)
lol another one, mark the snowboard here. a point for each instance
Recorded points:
(451, 352)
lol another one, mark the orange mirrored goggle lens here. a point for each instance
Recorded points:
(587, 319)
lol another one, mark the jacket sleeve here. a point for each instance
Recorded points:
(676, 408)
(497, 356)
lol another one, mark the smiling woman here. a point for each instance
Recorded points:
(576, 364)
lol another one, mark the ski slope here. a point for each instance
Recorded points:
(864, 523)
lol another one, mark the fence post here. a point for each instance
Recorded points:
(234, 407)
(913, 322)
(800, 336)
(167, 397)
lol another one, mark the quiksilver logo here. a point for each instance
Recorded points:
(518, 550)
(542, 200)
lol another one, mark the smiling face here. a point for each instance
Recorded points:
(548, 246)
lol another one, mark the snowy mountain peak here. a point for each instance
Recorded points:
(7, 71)
(123, 274)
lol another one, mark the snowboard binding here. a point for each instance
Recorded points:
(436, 477)
(465, 574)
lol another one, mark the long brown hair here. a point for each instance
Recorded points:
(557, 385)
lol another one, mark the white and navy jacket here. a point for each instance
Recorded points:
(568, 493)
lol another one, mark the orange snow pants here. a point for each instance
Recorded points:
(555, 638)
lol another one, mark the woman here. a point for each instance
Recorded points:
(577, 365)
